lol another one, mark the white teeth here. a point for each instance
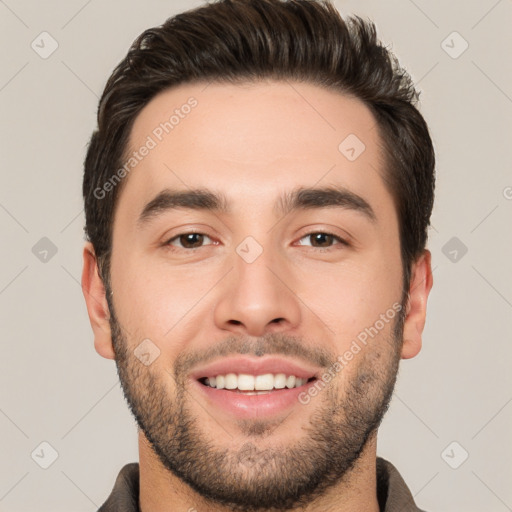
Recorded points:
(280, 381)
(264, 382)
(231, 381)
(290, 381)
(246, 382)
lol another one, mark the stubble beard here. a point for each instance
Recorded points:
(250, 478)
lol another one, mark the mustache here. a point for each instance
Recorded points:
(269, 344)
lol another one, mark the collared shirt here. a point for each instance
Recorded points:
(392, 492)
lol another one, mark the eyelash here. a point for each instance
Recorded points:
(320, 249)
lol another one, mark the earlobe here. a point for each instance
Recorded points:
(97, 305)
(419, 289)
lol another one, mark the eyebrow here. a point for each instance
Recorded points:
(298, 199)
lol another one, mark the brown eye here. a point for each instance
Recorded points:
(188, 240)
(322, 240)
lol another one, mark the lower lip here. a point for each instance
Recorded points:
(253, 406)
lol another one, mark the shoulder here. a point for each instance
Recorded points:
(125, 493)
(392, 491)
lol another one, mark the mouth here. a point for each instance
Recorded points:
(255, 384)
(253, 388)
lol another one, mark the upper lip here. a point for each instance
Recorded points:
(252, 366)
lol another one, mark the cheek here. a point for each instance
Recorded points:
(156, 301)
(349, 298)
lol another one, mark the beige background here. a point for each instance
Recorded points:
(54, 388)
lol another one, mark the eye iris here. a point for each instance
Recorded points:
(188, 240)
(324, 238)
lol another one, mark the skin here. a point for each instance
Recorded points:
(252, 142)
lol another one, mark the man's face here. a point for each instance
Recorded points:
(264, 286)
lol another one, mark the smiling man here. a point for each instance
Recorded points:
(257, 198)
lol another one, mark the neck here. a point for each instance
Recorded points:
(162, 491)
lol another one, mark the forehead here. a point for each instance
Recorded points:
(253, 140)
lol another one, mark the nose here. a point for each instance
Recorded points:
(257, 298)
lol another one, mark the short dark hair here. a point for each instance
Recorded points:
(236, 41)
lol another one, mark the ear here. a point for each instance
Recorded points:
(419, 288)
(97, 306)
